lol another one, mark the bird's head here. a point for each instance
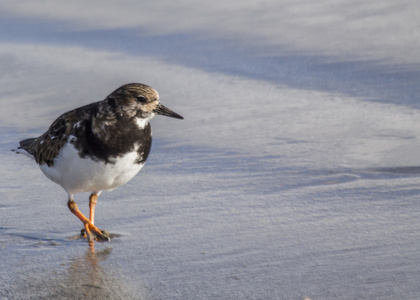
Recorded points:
(136, 100)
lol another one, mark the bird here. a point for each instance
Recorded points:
(98, 147)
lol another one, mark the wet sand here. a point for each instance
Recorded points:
(294, 175)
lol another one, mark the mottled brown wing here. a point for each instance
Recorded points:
(46, 147)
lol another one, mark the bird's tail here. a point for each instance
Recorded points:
(26, 144)
(26, 147)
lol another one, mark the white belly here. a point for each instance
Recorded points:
(76, 174)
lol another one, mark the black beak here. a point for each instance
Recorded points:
(164, 111)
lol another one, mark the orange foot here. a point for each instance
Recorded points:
(98, 235)
(92, 232)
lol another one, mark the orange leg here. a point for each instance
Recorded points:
(89, 227)
(93, 199)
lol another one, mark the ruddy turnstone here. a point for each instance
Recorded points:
(98, 147)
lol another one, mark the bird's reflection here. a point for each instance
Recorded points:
(87, 278)
(86, 274)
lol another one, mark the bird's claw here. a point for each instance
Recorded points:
(100, 236)
(104, 237)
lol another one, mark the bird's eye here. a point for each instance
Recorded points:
(141, 99)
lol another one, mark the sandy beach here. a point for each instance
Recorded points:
(294, 175)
